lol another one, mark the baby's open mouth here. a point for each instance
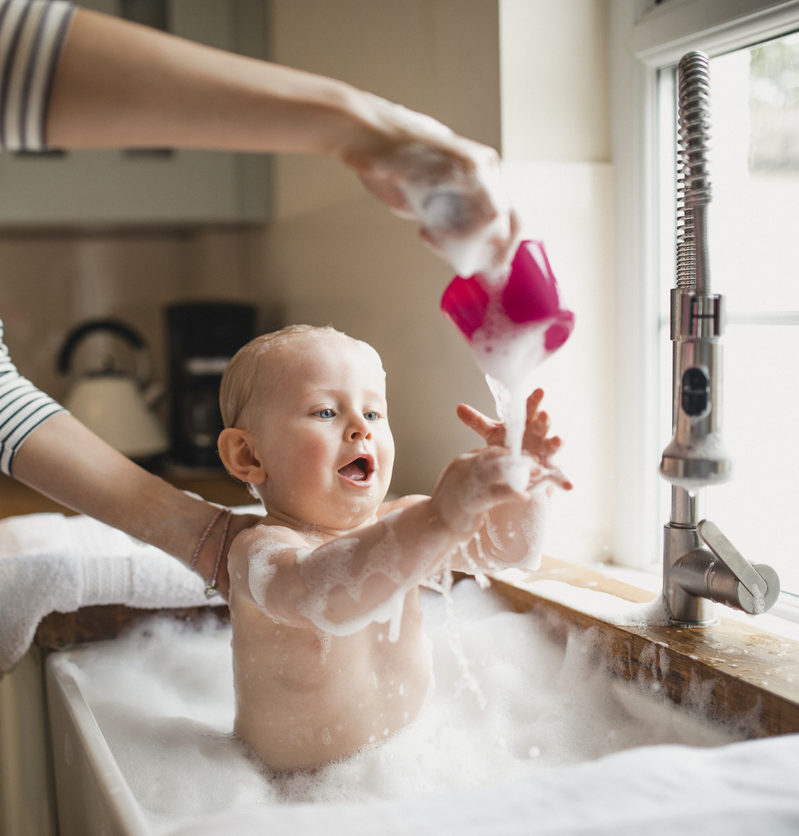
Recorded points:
(358, 470)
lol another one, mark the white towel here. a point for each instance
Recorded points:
(49, 562)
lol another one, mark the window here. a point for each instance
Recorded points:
(753, 253)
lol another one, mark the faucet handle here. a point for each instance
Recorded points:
(758, 586)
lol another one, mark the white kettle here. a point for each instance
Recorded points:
(110, 402)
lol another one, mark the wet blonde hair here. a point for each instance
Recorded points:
(239, 378)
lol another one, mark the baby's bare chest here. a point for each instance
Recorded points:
(304, 660)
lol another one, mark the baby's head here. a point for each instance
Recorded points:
(305, 420)
(257, 367)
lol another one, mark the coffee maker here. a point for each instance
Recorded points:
(202, 337)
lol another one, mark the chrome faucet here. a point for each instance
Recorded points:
(700, 565)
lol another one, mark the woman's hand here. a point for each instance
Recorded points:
(450, 185)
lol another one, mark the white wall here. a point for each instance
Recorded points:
(556, 147)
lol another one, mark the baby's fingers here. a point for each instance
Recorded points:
(553, 475)
(536, 422)
(492, 432)
(533, 402)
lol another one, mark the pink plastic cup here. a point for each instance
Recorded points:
(529, 295)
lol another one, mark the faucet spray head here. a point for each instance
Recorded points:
(695, 456)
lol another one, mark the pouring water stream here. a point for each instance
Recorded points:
(513, 322)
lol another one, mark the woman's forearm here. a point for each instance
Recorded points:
(67, 462)
(119, 84)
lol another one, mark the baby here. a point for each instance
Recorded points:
(318, 675)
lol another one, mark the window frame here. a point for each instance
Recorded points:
(645, 38)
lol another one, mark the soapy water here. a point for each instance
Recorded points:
(330, 567)
(452, 204)
(163, 698)
(447, 208)
(509, 358)
(509, 354)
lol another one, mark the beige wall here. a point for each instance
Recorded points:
(335, 255)
(332, 254)
(436, 56)
(555, 69)
(55, 280)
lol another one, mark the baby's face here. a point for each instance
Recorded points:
(322, 432)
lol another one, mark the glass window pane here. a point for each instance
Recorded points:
(754, 170)
(757, 507)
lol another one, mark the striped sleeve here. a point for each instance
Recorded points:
(22, 408)
(32, 33)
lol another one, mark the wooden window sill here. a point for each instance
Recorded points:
(746, 675)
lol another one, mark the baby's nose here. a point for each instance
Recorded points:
(359, 429)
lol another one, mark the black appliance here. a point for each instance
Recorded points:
(202, 337)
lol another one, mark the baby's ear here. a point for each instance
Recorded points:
(239, 456)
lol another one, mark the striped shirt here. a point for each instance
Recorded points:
(22, 408)
(32, 33)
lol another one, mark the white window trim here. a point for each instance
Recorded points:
(645, 38)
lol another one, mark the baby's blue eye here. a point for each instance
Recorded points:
(371, 415)
(326, 413)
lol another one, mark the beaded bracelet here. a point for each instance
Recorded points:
(210, 587)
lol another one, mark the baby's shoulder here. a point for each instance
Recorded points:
(265, 535)
(400, 504)
(263, 539)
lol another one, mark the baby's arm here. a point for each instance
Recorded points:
(512, 532)
(364, 576)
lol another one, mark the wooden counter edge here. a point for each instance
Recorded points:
(730, 671)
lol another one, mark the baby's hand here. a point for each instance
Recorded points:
(536, 442)
(475, 482)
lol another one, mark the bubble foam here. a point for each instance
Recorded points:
(163, 697)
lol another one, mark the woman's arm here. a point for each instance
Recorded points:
(67, 462)
(119, 84)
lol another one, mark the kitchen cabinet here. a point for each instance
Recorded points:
(142, 187)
